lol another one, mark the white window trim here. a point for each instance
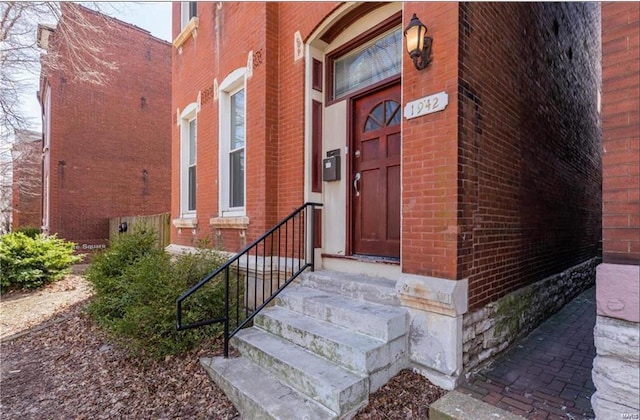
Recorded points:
(233, 83)
(47, 118)
(188, 28)
(185, 9)
(47, 159)
(45, 204)
(188, 114)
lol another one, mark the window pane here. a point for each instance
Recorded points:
(192, 142)
(374, 61)
(389, 108)
(184, 14)
(192, 188)
(237, 121)
(396, 118)
(371, 125)
(236, 182)
(378, 114)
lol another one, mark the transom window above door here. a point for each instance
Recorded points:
(372, 62)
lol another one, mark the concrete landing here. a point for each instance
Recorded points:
(458, 406)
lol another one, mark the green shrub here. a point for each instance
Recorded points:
(32, 262)
(30, 231)
(136, 288)
(124, 251)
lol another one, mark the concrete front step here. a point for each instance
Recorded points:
(325, 345)
(356, 286)
(378, 359)
(258, 395)
(383, 322)
(337, 388)
(357, 352)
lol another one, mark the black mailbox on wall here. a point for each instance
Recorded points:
(331, 166)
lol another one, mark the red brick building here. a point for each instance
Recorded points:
(106, 147)
(615, 372)
(473, 183)
(26, 155)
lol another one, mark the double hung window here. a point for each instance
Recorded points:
(188, 161)
(188, 10)
(236, 151)
(191, 167)
(232, 176)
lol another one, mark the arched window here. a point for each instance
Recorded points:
(384, 114)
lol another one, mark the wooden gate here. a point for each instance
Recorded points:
(160, 222)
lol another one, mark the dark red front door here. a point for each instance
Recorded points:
(375, 174)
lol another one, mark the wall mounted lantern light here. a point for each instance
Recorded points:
(418, 43)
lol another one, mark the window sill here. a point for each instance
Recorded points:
(240, 222)
(183, 223)
(187, 32)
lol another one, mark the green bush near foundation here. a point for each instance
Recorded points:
(136, 287)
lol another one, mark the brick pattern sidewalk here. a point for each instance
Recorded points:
(546, 375)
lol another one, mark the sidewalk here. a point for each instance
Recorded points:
(546, 375)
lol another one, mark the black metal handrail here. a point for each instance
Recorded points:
(291, 259)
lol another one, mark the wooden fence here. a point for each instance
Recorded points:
(160, 222)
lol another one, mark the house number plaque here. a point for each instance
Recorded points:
(427, 105)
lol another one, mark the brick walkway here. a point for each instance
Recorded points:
(546, 375)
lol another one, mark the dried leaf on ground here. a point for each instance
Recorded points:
(72, 369)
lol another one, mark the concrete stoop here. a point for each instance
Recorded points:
(455, 405)
(317, 353)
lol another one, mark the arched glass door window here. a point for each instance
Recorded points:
(384, 114)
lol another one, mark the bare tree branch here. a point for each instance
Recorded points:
(76, 49)
(80, 37)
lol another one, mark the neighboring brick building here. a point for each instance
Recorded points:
(615, 372)
(485, 212)
(26, 155)
(106, 147)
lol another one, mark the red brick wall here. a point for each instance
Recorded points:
(501, 187)
(529, 142)
(303, 17)
(275, 110)
(104, 137)
(429, 150)
(27, 181)
(225, 37)
(193, 71)
(621, 132)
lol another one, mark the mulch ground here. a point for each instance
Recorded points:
(71, 369)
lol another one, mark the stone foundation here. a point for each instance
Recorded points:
(616, 368)
(489, 330)
(435, 308)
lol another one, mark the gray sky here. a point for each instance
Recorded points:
(155, 17)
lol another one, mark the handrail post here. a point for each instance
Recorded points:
(178, 314)
(313, 237)
(302, 216)
(226, 313)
